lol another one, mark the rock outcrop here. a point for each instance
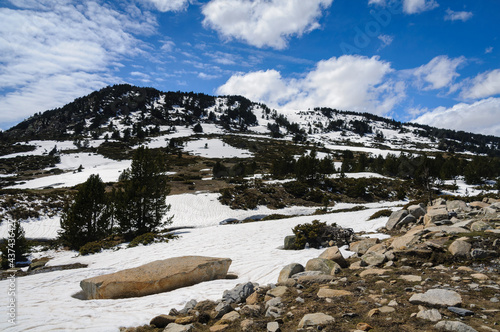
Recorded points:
(156, 277)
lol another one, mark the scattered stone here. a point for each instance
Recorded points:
(289, 270)
(189, 305)
(327, 292)
(185, 320)
(373, 258)
(454, 326)
(395, 218)
(372, 272)
(334, 254)
(460, 248)
(404, 241)
(480, 226)
(432, 315)
(216, 328)
(277, 291)
(156, 277)
(437, 298)
(246, 325)
(239, 293)
(417, 211)
(411, 278)
(361, 247)
(221, 309)
(363, 327)
(480, 276)
(373, 312)
(251, 310)
(386, 310)
(273, 327)
(325, 266)
(173, 327)
(460, 311)
(409, 219)
(315, 320)
(252, 299)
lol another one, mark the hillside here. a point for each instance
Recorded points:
(240, 177)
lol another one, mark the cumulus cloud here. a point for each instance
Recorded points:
(457, 16)
(483, 85)
(168, 5)
(263, 23)
(439, 73)
(479, 117)
(56, 50)
(349, 82)
(418, 6)
(409, 6)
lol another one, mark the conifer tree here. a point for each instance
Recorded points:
(15, 244)
(87, 218)
(140, 204)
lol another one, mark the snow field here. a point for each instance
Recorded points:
(46, 302)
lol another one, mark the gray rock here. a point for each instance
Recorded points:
(437, 298)
(460, 311)
(190, 305)
(433, 315)
(480, 226)
(273, 327)
(315, 320)
(361, 247)
(221, 309)
(395, 218)
(454, 326)
(289, 270)
(417, 211)
(290, 242)
(239, 293)
(373, 258)
(334, 254)
(482, 254)
(274, 302)
(325, 266)
(448, 229)
(172, 327)
(457, 205)
(460, 248)
(409, 219)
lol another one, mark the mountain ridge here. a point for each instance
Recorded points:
(144, 110)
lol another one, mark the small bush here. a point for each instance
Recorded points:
(309, 233)
(143, 239)
(381, 213)
(148, 238)
(94, 247)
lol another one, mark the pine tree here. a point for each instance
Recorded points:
(140, 204)
(16, 244)
(87, 218)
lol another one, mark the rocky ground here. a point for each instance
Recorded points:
(439, 270)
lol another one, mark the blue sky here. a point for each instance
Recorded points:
(430, 61)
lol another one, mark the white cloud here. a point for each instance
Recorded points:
(488, 50)
(386, 40)
(438, 73)
(409, 6)
(56, 50)
(483, 85)
(349, 82)
(168, 5)
(263, 22)
(479, 117)
(457, 16)
(168, 46)
(418, 6)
